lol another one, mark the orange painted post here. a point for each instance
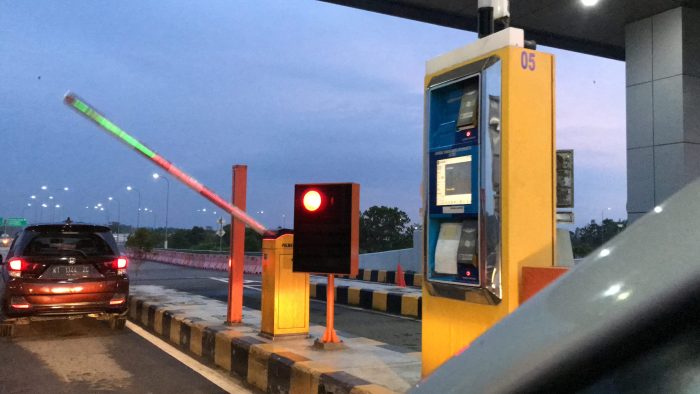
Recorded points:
(237, 254)
(330, 336)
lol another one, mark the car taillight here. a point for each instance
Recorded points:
(16, 266)
(19, 303)
(117, 299)
(120, 263)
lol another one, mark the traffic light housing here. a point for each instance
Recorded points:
(326, 228)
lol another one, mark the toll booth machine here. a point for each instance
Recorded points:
(488, 180)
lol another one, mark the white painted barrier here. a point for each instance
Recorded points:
(217, 262)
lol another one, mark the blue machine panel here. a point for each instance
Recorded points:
(453, 187)
(454, 114)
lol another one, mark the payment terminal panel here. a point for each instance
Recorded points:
(462, 126)
(489, 200)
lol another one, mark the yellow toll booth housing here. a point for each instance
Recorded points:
(285, 294)
(489, 186)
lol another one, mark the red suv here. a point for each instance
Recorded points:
(60, 270)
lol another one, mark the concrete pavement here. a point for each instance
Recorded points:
(85, 355)
(195, 324)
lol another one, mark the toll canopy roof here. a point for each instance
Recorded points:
(597, 30)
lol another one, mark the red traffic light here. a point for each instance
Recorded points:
(312, 200)
(326, 228)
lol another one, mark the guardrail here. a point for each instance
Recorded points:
(217, 262)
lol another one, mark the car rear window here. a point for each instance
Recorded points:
(53, 244)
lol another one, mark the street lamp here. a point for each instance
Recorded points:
(157, 176)
(66, 199)
(119, 213)
(138, 212)
(29, 205)
(155, 217)
(602, 227)
(53, 212)
(41, 213)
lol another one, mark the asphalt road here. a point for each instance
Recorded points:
(402, 332)
(85, 355)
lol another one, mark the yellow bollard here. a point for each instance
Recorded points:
(285, 294)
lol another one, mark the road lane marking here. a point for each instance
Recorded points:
(218, 378)
(256, 287)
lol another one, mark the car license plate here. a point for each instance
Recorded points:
(69, 272)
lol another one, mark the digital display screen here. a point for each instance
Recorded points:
(454, 181)
(469, 104)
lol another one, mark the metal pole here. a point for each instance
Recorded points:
(601, 226)
(138, 211)
(330, 336)
(237, 253)
(85, 109)
(119, 217)
(167, 198)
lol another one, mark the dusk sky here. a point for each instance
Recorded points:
(300, 91)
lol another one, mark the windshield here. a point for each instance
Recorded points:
(54, 244)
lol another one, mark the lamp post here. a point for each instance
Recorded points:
(155, 217)
(138, 211)
(119, 213)
(66, 211)
(29, 205)
(204, 211)
(53, 212)
(157, 176)
(602, 227)
(36, 205)
(41, 213)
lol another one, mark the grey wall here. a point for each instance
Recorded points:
(410, 259)
(663, 107)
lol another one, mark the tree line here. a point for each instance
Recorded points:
(586, 239)
(381, 228)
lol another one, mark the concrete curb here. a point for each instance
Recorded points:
(405, 304)
(382, 276)
(264, 365)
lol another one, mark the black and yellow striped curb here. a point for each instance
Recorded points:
(240, 351)
(382, 276)
(405, 304)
